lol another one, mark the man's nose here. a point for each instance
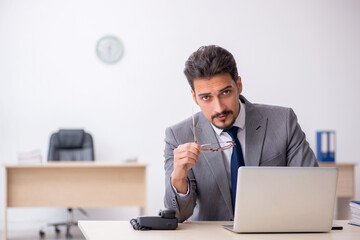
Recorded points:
(218, 106)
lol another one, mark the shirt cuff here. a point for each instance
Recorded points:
(181, 194)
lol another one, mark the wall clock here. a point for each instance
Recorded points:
(109, 49)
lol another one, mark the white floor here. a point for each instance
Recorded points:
(49, 234)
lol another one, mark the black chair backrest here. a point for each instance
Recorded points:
(71, 145)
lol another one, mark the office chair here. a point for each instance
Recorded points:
(69, 145)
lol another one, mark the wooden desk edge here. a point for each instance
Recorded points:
(332, 164)
(74, 164)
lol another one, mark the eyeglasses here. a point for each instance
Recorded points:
(212, 147)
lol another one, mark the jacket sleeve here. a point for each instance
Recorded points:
(298, 151)
(183, 205)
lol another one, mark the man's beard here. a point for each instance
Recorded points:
(226, 112)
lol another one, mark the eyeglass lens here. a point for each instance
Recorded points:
(214, 147)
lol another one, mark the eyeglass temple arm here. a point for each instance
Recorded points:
(193, 121)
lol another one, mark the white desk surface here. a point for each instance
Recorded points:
(115, 230)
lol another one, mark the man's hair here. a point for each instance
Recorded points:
(209, 61)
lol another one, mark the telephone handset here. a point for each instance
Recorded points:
(165, 221)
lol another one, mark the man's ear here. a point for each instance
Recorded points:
(239, 84)
(194, 96)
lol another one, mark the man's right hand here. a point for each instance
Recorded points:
(185, 157)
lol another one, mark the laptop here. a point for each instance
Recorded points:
(284, 199)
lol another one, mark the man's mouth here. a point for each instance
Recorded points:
(222, 116)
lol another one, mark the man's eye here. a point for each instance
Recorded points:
(226, 92)
(205, 98)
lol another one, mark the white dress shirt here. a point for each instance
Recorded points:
(223, 136)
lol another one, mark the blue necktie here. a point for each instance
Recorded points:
(237, 160)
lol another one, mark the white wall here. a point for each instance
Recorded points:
(302, 54)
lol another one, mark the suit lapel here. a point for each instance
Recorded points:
(255, 125)
(215, 160)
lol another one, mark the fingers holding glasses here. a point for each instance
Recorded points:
(185, 157)
(191, 150)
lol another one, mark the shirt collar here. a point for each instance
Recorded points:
(239, 121)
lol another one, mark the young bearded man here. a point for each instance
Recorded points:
(199, 184)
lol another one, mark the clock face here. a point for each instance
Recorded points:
(109, 49)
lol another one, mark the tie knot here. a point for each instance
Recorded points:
(232, 132)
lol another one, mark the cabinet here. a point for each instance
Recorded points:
(345, 188)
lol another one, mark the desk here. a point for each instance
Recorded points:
(75, 184)
(346, 179)
(114, 230)
(345, 187)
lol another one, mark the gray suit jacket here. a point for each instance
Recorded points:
(273, 138)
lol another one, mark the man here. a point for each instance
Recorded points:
(200, 185)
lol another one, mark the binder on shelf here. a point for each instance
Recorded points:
(325, 146)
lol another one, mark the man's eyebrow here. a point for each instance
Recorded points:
(221, 90)
(203, 94)
(225, 88)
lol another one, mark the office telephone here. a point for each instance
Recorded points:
(165, 221)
